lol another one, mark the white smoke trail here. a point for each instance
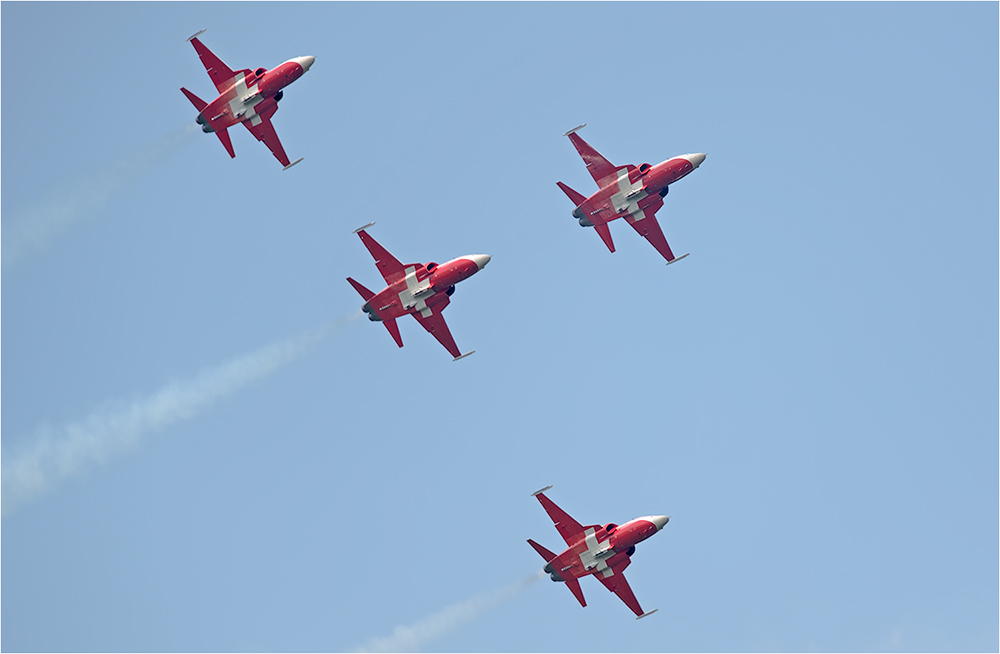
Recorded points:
(411, 638)
(30, 229)
(94, 439)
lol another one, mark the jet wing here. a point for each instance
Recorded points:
(261, 127)
(603, 171)
(390, 267)
(221, 74)
(616, 583)
(435, 325)
(568, 528)
(644, 222)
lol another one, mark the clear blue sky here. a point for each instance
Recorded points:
(812, 395)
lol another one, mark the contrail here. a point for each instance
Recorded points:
(30, 229)
(411, 638)
(70, 449)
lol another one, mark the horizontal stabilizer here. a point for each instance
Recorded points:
(605, 233)
(566, 134)
(464, 355)
(675, 260)
(544, 553)
(393, 331)
(226, 142)
(574, 587)
(647, 613)
(539, 492)
(293, 163)
(577, 198)
(205, 30)
(361, 229)
(362, 291)
(198, 103)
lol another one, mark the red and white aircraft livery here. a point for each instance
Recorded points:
(421, 290)
(245, 96)
(633, 192)
(604, 552)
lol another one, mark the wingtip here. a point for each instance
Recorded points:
(578, 127)
(194, 36)
(361, 229)
(539, 492)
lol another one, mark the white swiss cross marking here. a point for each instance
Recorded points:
(406, 296)
(236, 104)
(628, 206)
(589, 557)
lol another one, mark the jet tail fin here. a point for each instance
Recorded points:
(227, 143)
(393, 330)
(544, 553)
(362, 291)
(198, 103)
(574, 587)
(576, 197)
(605, 233)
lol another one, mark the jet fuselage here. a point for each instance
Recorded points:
(251, 94)
(635, 189)
(602, 548)
(423, 287)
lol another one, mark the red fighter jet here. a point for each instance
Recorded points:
(595, 550)
(245, 96)
(633, 192)
(421, 290)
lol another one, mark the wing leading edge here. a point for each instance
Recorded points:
(436, 326)
(390, 267)
(616, 583)
(645, 224)
(568, 528)
(263, 130)
(603, 171)
(221, 74)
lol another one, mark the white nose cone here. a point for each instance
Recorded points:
(695, 159)
(480, 259)
(305, 62)
(660, 520)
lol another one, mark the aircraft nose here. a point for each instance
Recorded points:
(481, 260)
(695, 159)
(305, 62)
(659, 521)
